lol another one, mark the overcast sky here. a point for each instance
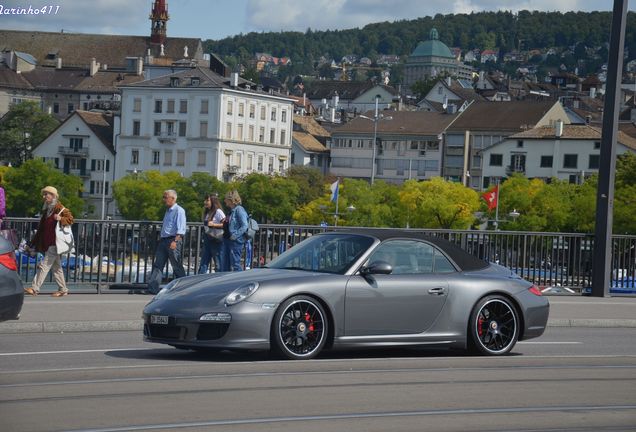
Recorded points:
(212, 19)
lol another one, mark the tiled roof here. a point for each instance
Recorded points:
(308, 142)
(347, 90)
(107, 81)
(101, 124)
(10, 79)
(44, 78)
(573, 132)
(402, 123)
(77, 49)
(207, 79)
(311, 126)
(501, 116)
(627, 128)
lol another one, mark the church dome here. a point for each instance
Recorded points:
(432, 47)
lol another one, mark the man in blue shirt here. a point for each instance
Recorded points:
(171, 244)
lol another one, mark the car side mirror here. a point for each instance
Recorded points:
(377, 267)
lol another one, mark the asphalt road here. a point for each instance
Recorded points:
(581, 379)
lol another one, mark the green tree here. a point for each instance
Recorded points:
(421, 87)
(22, 128)
(139, 196)
(310, 182)
(625, 195)
(23, 185)
(269, 199)
(439, 204)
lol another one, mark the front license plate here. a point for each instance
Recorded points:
(159, 319)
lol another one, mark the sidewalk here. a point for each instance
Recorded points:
(122, 312)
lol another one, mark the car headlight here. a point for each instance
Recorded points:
(167, 288)
(241, 293)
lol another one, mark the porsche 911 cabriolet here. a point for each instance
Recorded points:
(354, 289)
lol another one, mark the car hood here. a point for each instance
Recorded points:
(213, 288)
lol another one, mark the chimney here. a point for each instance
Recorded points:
(449, 81)
(592, 92)
(104, 67)
(140, 66)
(559, 128)
(335, 99)
(94, 67)
(58, 63)
(234, 78)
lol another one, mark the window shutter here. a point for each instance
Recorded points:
(92, 187)
(83, 166)
(66, 165)
(107, 165)
(93, 164)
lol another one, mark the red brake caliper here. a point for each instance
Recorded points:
(309, 321)
(480, 326)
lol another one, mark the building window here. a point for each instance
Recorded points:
(137, 105)
(180, 157)
(594, 162)
(76, 143)
(157, 130)
(282, 137)
(260, 164)
(597, 145)
(252, 111)
(203, 129)
(546, 161)
(239, 160)
(71, 108)
(170, 128)
(273, 114)
(283, 116)
(241, 112)
(136, 128)
(251, 133)
(155, 157)
(170, 106)
(250, 162)
(167, 157)
(270, 165)
(239, 132)
(261, 134)
(183, 106)
(182, 128)
(570, 161)
(272, 136)
(230, 107)
(204, 106)
(263, 112)
(520, 144)
(228, 130)
(56, 107)
(201, 158)
(496, 159)
(281, 165)
(158, 105)
(134, 157)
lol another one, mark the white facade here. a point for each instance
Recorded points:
(220, 131)
(571, 159)
(76, 149)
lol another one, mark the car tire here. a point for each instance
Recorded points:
(494, 326)
(299, 328)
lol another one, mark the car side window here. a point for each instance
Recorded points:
(411, 257)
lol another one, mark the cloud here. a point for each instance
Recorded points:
(95, 16)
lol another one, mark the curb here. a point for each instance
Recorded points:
(137, 325)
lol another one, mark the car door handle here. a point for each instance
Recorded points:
(437, 291)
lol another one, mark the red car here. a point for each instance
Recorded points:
(11, 289)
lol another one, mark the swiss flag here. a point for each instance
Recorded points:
(491, 197)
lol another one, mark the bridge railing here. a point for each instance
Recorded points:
(118, 253)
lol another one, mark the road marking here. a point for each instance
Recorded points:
(351, 416)
(550, 343)
(74, 351)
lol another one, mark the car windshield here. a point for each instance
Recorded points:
(328, 253)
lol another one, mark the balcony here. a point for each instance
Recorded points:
(231, 169)
(69, 151)
(167, 137)
(514, 169)
(80, 173)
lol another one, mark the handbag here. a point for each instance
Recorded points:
(11, 236)
(64, 240)
(215, 234)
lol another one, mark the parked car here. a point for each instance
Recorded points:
(11, 289)
(359, 288)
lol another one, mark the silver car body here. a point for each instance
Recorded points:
(362, 310)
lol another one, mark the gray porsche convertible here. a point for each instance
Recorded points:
(354, 289)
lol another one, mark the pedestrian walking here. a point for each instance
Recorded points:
(44, 242)
(213, 216)
(235, 228)
(170, 245)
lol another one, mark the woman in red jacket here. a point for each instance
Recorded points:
(44, 242)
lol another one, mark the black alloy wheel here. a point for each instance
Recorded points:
(299, 329)
(494, 326)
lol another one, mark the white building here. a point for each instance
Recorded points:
(566, 152)
(83, 146)
(200, 121)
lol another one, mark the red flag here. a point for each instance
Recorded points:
(491, 197)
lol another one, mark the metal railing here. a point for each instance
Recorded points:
(109, 253)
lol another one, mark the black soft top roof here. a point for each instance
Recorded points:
(463, 259)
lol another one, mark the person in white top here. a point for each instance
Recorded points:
(213, 233)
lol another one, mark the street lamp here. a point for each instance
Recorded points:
(350, 208)
(376, 118)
